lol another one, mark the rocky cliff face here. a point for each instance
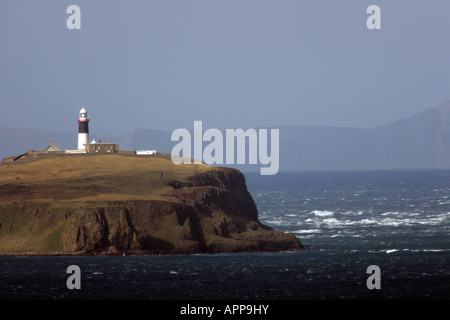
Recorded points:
(209, 212)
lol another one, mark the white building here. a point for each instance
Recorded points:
(145, 152)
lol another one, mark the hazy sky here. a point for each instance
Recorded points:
(231, 63)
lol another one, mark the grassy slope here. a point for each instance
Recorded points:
(88, 177)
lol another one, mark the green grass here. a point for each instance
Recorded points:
(22, 231)
(51, 240)
(93, 177)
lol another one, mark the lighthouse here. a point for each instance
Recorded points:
(83, 129)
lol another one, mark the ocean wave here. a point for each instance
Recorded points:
(351, 213)
(351, 219)
(333, 222)
(390, 213)
(277, 222)
(415, 250)
(324, 213)
(391, 250)
(307, 231)
(426, 250)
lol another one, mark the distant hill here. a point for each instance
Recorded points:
(421, 142)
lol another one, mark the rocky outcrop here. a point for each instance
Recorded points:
(209, 212)
(159, 227)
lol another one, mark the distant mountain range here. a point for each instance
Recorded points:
(421, 142)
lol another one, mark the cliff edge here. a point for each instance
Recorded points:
(115, 204)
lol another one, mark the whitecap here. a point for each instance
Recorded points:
(322, 213)
(390, 213)
(332, 222)
(308, 231)
(306, 236)
(367, 221)
(391, 250)
(358, 213)
(274, 222)
(393, 222)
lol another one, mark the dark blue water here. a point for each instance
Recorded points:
(397, 220)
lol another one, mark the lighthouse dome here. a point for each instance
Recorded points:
(83, 115)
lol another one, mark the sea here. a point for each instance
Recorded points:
(398, 221)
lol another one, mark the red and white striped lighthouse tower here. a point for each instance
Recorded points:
(83, 129)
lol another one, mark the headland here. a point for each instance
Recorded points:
(118, 203)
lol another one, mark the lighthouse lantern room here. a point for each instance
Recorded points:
(83, 129)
